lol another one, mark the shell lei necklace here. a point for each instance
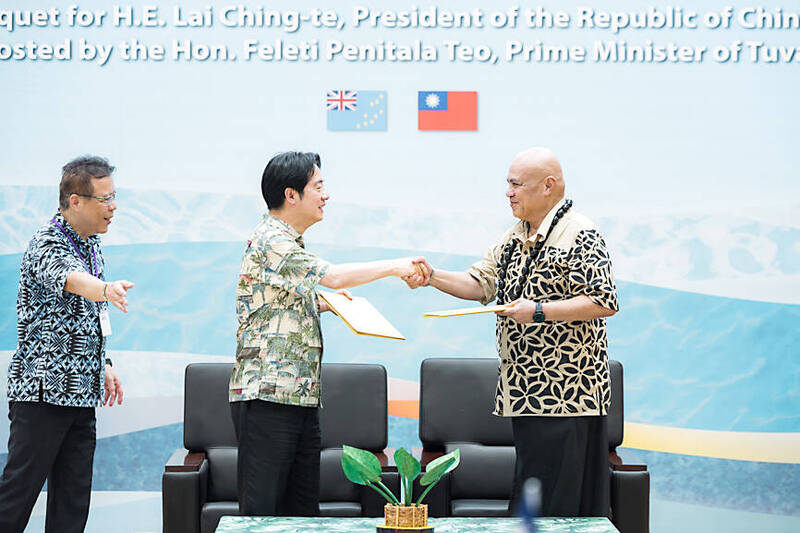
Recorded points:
(503, 282)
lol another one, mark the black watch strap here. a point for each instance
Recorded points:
(108, 362)
(538, 314)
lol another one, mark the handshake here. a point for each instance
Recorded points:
(415, 271)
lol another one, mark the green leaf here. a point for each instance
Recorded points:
(408, 468)
(360, 466)
(440, 466)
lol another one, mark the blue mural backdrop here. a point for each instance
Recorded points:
(686, 167)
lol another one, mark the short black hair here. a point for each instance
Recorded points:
(287, 169)
(77, 175)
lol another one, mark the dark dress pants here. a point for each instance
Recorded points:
(278, 468)
(569, 456)
(54, 443)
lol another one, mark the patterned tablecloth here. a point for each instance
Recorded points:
(274, 524)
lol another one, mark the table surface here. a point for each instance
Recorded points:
(270, 524)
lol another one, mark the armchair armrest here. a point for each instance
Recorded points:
(183, 460)
(630, 495)
(426, 456)
(616, 463)
(184, 490)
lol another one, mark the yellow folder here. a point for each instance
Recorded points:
(466, 311)
(361, 316)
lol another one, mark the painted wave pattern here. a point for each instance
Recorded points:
(691, 360)
(748, 254)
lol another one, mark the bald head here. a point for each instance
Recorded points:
(539, 163)
(536, 184)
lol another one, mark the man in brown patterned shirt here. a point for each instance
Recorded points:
(275, 384)
(553, 272)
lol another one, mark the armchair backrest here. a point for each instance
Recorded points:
(616, 413)
(457, 400)
(456, 403)
(354, 406)
(207, 419)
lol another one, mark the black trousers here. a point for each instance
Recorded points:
(569, 456)
(54, 443)
(278, 470)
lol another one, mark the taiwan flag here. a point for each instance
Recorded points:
(447, 110)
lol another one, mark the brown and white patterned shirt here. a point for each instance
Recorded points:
(553, 368)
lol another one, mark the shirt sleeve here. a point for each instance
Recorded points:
(485, 273)
(590, 270)
(51, 261)
(303, 270)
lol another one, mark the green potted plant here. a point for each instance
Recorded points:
(363, 468)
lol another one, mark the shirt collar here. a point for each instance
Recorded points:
(284, 227)
(91, 240)
(543, 228)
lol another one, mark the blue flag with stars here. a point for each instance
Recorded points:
(356, 110)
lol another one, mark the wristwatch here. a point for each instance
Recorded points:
(538, 315)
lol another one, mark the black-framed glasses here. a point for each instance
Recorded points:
(108, 200)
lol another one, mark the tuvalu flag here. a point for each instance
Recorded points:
(356, 110)
(447, 110)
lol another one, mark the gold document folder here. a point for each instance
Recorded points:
(466, 311)
(361, 316)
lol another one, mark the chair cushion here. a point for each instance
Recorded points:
(333, 484)
(480, 508)
(485, 472)
(222, 474)
(212, 512)
(341, 509)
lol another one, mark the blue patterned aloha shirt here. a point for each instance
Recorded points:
(60, 350)
(279, 341)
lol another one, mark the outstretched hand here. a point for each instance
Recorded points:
(116, 292)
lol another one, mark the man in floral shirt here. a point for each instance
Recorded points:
(275, 384)
(59, 372)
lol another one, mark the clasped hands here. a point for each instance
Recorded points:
(415, 271)
(520, 310)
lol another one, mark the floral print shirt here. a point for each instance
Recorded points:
(553, 368)
(279, 341)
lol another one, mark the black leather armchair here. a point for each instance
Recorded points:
(199, 481)
(456, 402)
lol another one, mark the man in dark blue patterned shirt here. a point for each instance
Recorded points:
(60, 373)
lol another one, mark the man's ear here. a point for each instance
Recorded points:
(290, 195)
(549, 184)
(74, 200)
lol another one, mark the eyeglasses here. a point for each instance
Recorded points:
(108, 200)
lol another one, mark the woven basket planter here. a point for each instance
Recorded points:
(406, 516)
